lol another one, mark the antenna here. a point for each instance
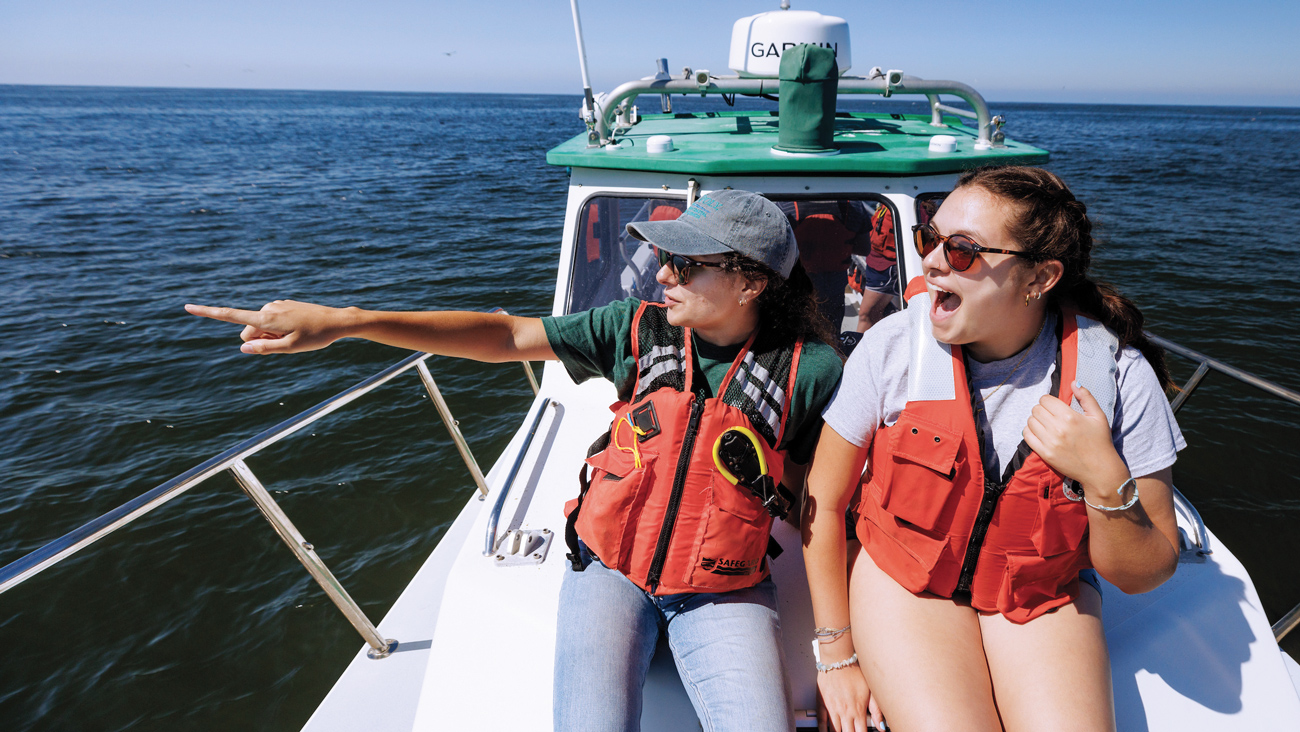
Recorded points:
(589, 104)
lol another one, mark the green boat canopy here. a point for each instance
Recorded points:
(726, 143)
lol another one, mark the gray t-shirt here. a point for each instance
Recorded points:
(874, 391)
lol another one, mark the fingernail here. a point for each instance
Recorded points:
(1077, 385)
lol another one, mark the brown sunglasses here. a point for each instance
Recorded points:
(959, 250)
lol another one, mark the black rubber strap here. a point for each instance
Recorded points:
(774, 549)
(571, 524)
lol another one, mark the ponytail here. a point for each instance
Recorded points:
(1103, 302)
(1050, 223)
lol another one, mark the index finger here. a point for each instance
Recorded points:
(227, 315)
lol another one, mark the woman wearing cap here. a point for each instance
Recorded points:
(987, 500)
(734, 362)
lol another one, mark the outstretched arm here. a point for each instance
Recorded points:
(286, 326)
(1135, 549)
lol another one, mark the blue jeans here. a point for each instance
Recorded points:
(726, 646)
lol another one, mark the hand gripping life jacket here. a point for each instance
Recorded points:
(656, 507)
(930, 517)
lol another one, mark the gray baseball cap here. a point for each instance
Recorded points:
(727, 221)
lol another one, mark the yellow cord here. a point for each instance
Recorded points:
(636, 452)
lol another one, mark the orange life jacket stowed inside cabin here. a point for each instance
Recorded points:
(884, 247)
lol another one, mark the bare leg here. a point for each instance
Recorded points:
(872, 309)
(1052, 672)
(922, 656)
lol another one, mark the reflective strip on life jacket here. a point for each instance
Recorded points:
(930, 372)
(767, 395)
(650, 367)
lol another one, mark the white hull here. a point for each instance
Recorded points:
(477, 640)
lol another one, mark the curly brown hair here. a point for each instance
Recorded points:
(787, 307)
(1050, 223)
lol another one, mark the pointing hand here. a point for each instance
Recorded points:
(283, 326)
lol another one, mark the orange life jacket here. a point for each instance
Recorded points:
(930, 517)
(656, 508)
(884, 247)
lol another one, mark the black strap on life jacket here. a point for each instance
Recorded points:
(993, 489)
(571, 524)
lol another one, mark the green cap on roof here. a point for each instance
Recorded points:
(809, 81)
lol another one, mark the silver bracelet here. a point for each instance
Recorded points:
(1077, 494)
(850, 661)
(832, 634)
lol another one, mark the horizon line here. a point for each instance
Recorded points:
(578, 95)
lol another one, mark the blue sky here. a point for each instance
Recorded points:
(1194, 51)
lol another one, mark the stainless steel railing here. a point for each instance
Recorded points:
(233, 460)
(1204, 366)
(886, 85)
(490, 540)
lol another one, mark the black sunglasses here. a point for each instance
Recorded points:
(681, 266)
(960, 250)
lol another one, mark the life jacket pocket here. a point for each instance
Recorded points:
(924, 456)
(733, 540)
(1032, 585)
(1061, 523)
(611, 508)
(909, 555)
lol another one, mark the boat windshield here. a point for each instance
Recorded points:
(837, 237)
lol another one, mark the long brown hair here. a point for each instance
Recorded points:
(1050, 223)
(787, 307)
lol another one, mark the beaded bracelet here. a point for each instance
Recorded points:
(824, 667)
(850, 661)
(1074, 493)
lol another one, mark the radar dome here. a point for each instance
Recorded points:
(758, 41)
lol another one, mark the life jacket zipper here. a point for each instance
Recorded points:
(992, 489)
(675, 499)
(984, 517)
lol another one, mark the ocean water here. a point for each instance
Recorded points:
(117, 206)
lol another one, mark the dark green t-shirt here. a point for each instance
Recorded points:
(598, 343)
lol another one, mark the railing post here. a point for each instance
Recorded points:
(379, 646)
(1288, 623)
(1190, 387)
(453, 426)
(532, 378)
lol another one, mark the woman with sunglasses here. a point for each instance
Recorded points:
(987, 498)
(731, 370)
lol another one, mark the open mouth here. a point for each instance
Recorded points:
(944, 303)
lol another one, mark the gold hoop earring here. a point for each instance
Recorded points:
(1026, 299)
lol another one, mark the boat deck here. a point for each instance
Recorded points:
(476, 641)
